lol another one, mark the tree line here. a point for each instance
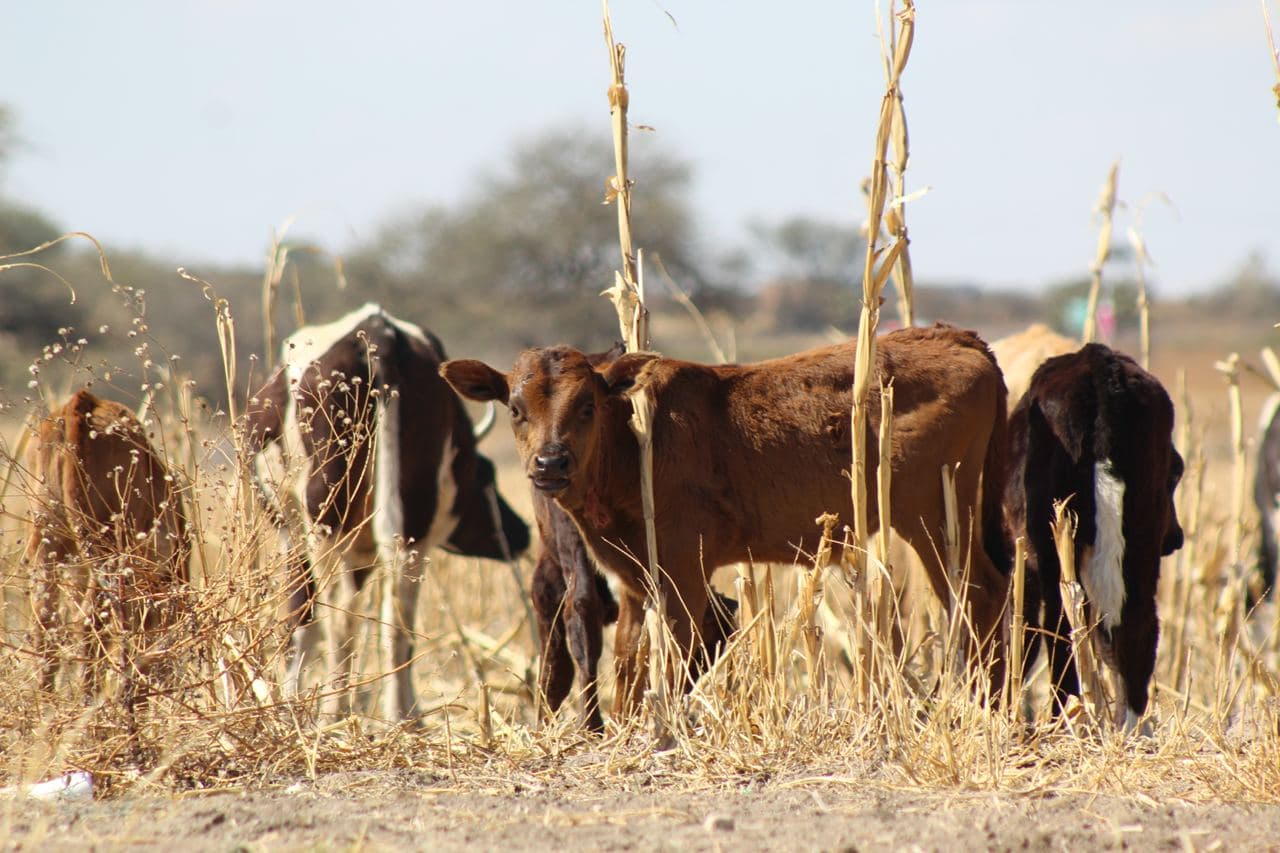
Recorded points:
(520, 261)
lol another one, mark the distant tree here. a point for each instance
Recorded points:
(526, 255)
(1252, 289)
(8, 137)
(35, 304)
(807, 249)
(814, 268)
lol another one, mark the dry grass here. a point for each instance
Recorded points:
(788, 700)
(814, 689)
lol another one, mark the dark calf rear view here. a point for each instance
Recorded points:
(1095, 429)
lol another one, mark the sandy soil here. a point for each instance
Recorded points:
(410, 810)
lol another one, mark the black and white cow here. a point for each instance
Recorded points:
(1095, 428)
(391, 471)
(1266, 493)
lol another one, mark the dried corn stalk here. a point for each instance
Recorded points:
(873, 279)
(1105, 208)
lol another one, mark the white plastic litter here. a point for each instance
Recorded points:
(68, 786)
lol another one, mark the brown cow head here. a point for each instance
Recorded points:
(562, 402)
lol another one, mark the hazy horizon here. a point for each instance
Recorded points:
(191, 130)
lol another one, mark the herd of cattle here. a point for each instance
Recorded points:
(746, 457)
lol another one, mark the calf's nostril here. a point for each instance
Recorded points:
(553, 465)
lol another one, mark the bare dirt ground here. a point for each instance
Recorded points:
(418, 810)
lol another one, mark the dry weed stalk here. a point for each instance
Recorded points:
(1105, 208)
(1092, 691)
(1271, 45)
(1230, 370)
(627, 292)
(679, 295)
(1017, 628)
(895, 217)
(1141, 260)
(873, 279)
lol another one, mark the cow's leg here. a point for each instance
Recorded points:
(343, 618)
(46, 626)
(304, 647)
(43, 551)
(302, 616)
(402, 582)
(686, 610)
(555, 674)
(985, 591)
(718, 622)
(584, 625)
(988, 589)
(1267, 551)
(628, 665)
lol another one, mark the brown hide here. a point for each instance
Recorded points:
(108, 541)
(746, 457)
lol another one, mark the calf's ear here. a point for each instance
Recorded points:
(613, 353)
(475, 380)
(621, 374)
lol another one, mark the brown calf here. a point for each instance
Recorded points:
(573, 603)
(108, 531)
(747, 456)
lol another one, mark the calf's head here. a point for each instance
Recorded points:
(562, 403)
(488, 526)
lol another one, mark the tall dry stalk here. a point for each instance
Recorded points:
(873, 279)
(1092, 692)
(956, 651)
(627, 294)
(895, 217)
(1230, 370)
(1017, 627)
(627, 291)
(1105, 208)
(272, 275)
(1271, 44)
(1141, 260)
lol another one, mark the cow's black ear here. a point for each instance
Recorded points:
(476, 380)
(621, 374)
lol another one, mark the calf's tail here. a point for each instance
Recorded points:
(995, 536)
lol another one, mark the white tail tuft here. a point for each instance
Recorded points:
(388, 503)
(1103, 573)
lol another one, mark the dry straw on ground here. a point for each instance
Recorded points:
(817, 689)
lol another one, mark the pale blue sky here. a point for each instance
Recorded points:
(193, 127)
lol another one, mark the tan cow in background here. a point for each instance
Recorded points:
(1020, 354)
(108, 542)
